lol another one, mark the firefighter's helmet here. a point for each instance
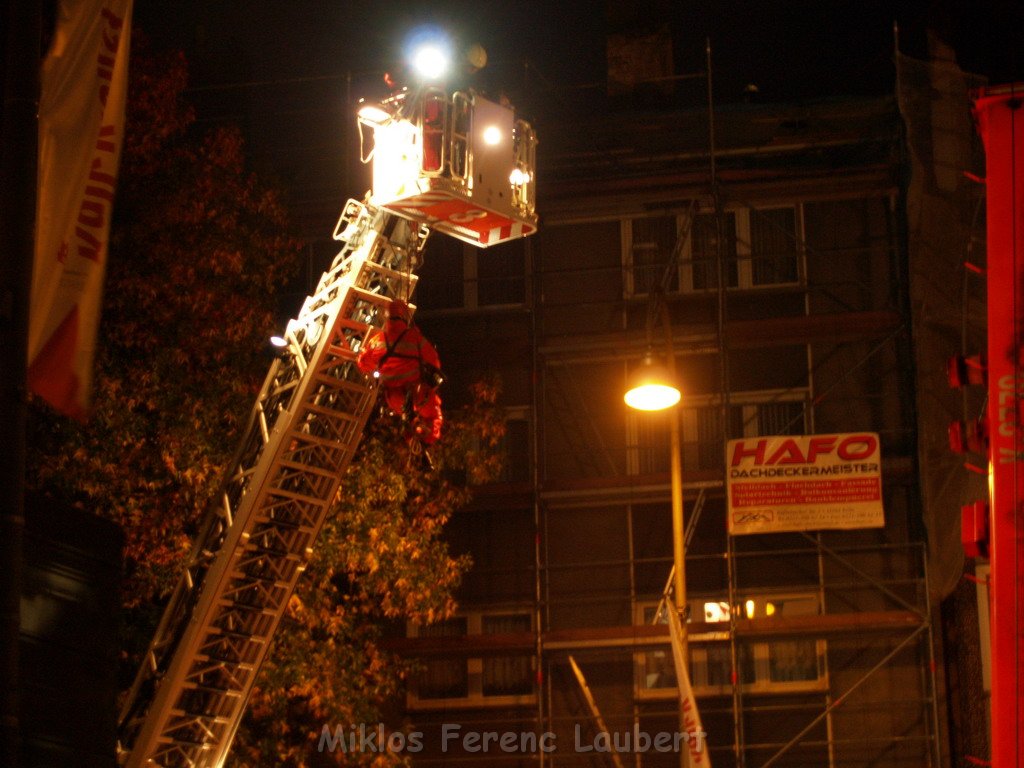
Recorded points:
(398, 309)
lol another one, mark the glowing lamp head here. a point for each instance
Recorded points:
(430, 60)
(652, 397)
(279, 341)
(492, 135)
(651, 388)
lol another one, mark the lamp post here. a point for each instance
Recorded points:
(655, 388)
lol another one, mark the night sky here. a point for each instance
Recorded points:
(284, 70)
(795, 47)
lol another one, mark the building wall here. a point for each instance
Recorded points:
(808, 338)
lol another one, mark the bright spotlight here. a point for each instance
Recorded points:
(428, 51)
(519, 176)
(430, 60)
(492, 135)
(278, 346)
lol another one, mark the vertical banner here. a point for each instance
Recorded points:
(804, 483)
(696, 747)
(81, 124)
(1001, 123)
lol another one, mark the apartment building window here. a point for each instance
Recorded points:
(500, 275)
(498, 680)
(774, 237)
(782, 417)
(506, 675)
(759, 247)
(768, 666)
(443, 678)
(515, 446)
(441, 277)
(456, 275)
(700, 260)
(703, 434)
(649, 244)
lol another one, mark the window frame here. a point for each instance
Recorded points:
(475, 697)
(467, 258)
(683, 281)
(519, 414)
(650, 432)
(699, 644)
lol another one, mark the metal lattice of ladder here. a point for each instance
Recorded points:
(256, 540)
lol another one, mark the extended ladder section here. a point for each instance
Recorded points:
(188, 699)
(189, 696)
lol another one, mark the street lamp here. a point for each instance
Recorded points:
(653, 387)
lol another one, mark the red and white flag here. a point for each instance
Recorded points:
(81, 124)
(696, 738)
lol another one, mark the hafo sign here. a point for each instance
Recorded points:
(800, 483)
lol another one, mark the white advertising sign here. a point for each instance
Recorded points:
(803, 483)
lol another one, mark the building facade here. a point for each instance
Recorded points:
(766, 247)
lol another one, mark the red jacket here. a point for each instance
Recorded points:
(397, 353)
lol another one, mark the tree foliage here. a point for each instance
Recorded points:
(198, 249)
(379, 561)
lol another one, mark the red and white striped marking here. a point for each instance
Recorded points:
(461, 217)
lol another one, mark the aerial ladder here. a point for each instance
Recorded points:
(458, 163)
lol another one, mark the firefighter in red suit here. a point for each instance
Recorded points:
(409, 372)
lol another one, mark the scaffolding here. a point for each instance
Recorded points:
(849, 677)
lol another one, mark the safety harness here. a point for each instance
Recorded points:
(429, 374)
